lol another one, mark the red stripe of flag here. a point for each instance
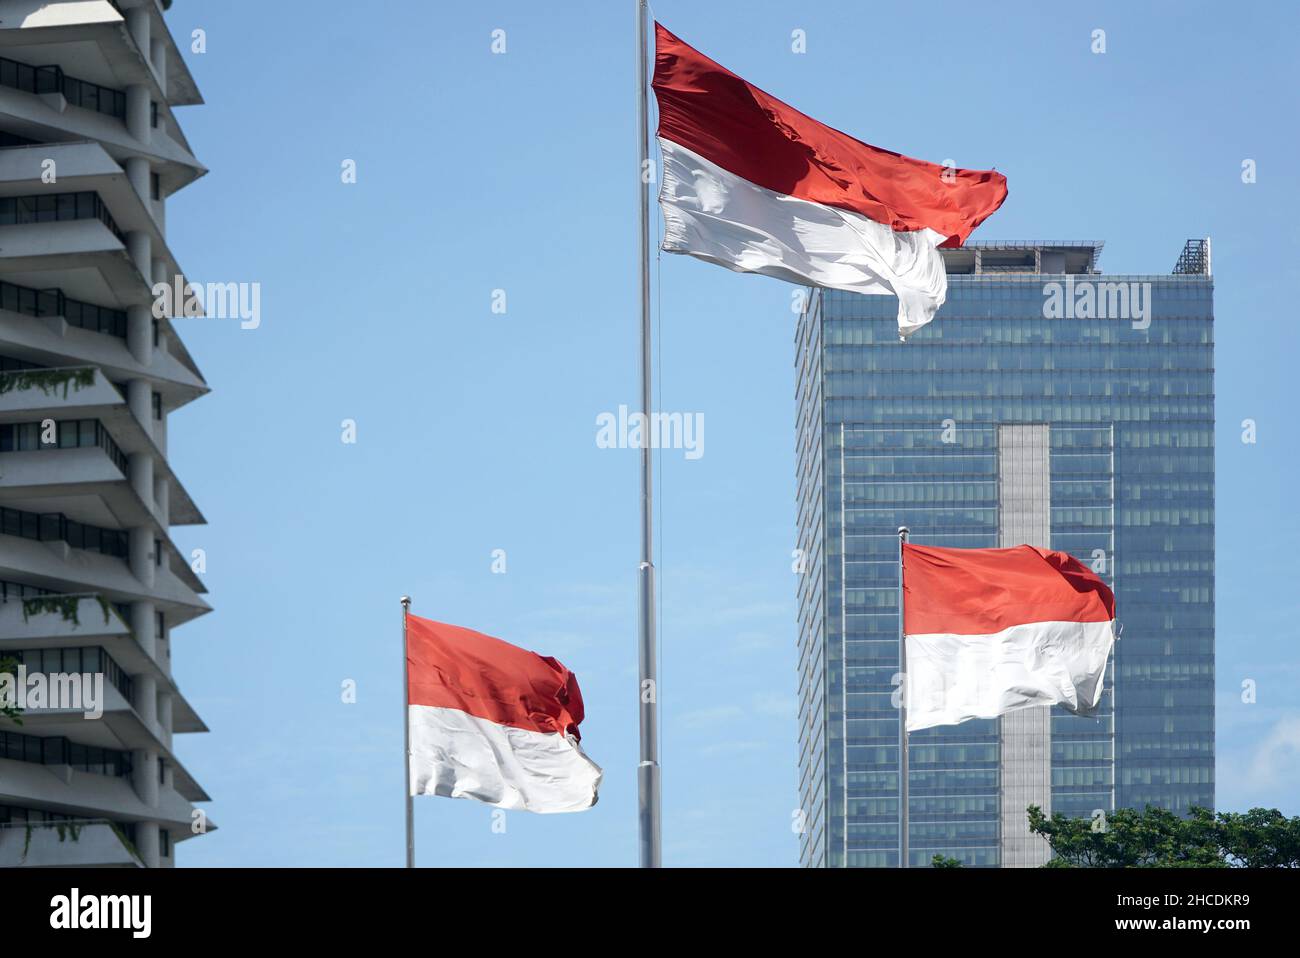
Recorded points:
(715, 114)
(983, 591)
(453, 667)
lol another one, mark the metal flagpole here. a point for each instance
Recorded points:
(902, 714)
(648, 767)
(406, 730)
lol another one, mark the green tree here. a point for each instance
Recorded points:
(1259, 838)
(1157, 838)
(943, 861)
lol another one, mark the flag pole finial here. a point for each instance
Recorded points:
(406, 602)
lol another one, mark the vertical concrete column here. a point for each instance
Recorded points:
(147, 844)
(139, 399)
(139, 333)
(140, 467)
(160, 276)
(165, 723)
(1024, 518)
(162, 494)
(144, 775)
(137, 172)
(144, 625)
(144, 779)
(144, 772)
(158, 57)
(137, 21)
(146, 698)
(139, 113)
(140, 247)
(142, 555)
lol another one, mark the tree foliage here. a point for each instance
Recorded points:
(1157, 838)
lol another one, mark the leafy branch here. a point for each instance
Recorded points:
(48, 381)
(1158, 838)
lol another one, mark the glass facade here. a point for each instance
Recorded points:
(80, 659)
(52, 79)
(52, 302)
(69, 433)
(892, 434)
(57, 750)
(56, 208)
(56, 527)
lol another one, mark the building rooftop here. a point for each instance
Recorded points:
(1055, 257)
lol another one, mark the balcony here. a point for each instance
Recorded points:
(52, 327)
(88, 61)
(93, 843)
(53, 303)
(83, 392)
(42, 390)
(62, 534)
(58, 620)
(50, 79)
(67, 434)
(59, 568)
(118, 61)
(121, 728)
(92, 188)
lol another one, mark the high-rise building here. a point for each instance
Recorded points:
(1045, 404)
(91, 584)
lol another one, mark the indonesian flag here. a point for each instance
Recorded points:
(493, 722)
(989, 631)
(754, 185)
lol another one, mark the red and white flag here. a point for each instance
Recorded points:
(493, 722)
(989, 631)
(754, 185)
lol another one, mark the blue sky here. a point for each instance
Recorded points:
(476, 431)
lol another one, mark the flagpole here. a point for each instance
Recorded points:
(648, 691)
(406, 731)
(902, 715)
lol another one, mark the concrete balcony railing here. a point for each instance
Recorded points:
(92, 187)
(78, 162)
(47, 621)
(94, 843)
(68, 390)
(81, 570)
(84, 392)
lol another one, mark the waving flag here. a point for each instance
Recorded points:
(989, 631)
(493, 722)
(754, 185)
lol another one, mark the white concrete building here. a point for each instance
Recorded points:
(90, 581)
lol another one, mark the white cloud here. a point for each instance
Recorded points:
(1259, 766)
(1278, 756)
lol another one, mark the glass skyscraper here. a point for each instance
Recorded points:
(1100, 390)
